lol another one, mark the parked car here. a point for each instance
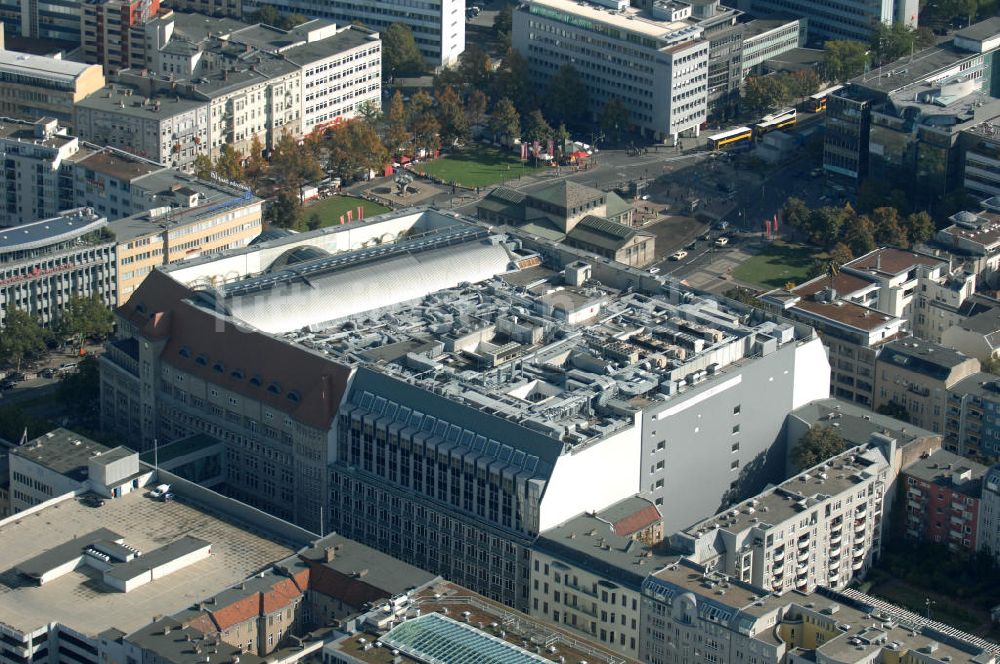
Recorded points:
(15, 376)
(160, 492)
(7, 384)
(67, 366)
(722, 241)
(47, 373)
(92, 500)
(679, 256)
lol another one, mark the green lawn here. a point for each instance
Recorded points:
(329, 210)
(477, 166)
(777, 264)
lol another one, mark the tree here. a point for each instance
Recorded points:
(475, 67)
(844, 59)
(475, 107)
(919, 226)
(536, 128)
(451, 117)
(229, 165)
(426, 132)
(84, 318)
(397, 136)
(294, 164)
(825, 225)
(888, 229)
(567, 96)
(816, 446)
(859, 235)
(802, 83)
(420, 104)
(762, 93)
(894, 409)
(614, 117)
(285, 211)
(80, 392)
(841, 254)
(353, 149)
(22, 336)
(400, 54)
(925, 37)
(314, 222)
(371, 112)
(256, 166)
(796, 213)
(512, 81)
(505, 122)
(889, 43)
(203, 167)
(503, 24)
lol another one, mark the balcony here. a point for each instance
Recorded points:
(803, 544)
(858, 564)
(779, 556)
(835, 540)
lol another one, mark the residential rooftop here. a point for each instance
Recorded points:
(237, 550)
(923, 357)
(856, 424)
(950, 470)
(892, 261)
(122, 100)
(118, 164)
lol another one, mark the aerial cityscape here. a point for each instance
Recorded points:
(567, 331)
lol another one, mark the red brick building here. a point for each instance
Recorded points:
(942, 499)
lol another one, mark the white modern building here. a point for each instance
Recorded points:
(839, 19)
(654, 60)
(438, 26)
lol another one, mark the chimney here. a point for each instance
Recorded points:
(878, 260)
(329, 554)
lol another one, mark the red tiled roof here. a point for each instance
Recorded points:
(158, 308)
(238, 612)
(282, 593)
(301, 579)
(636, 521)
(203, 623)
(352, 591)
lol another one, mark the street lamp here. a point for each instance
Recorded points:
(928, 602)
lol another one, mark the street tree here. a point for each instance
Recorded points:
(503, 24)
(21, 337)
(566, 99)
(859, 234)
(256, 166)
(420, 103)
(203, 166)
(802, 83)
(353, 149)
(891, 42)
(844, 59)
(451, 117)
(229, 165)
(294, 164)
(400, 54)
(285, 211)
(512, 81)
(426, 132)
(816, 446)
(796, 213)
(614, 117)
(85, 318)
(505, 121)
(397, 136)
(762, 93)
(475, 67)
(314, 222)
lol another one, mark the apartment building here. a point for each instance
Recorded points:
(944, 87)
(663, 50)
(34, 87)
(45, 263)
(438, 26)
(988, 528)
(915, 375)
(113, 32)
(942, 500)
(981, 154)
(200, 90)
(460, 475)
(693, 614)
(587, 573)
(36, 180)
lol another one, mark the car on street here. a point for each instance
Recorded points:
(654, 270)
(67, 366)
(15, 377)
(722, 241)
(48, 372)
(679, 256)
(7, 384)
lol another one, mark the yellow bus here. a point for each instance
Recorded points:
(780, 120)
(730, 137)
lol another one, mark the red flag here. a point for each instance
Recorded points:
(550, 146)
(350, 215)
(341, 220)
(524, 151)
(775, 222)
(361, 212)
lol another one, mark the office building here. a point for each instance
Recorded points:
(766, 39)
(692, 614)
(61, 462)
(662, 50)
(943, 87)
(587, 573)
(34, 87)
(113, 32)
(981, 151)
(915, 375)
(514, 444)
(200, 90)
(438, 27)
(942, 500)
(840, 20)
(44, 264)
